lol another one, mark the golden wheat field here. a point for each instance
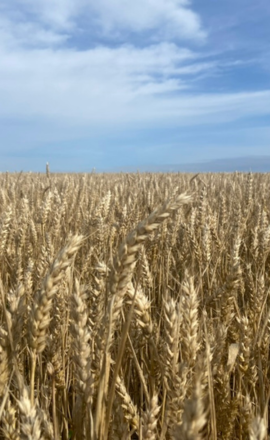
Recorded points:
(134, 306)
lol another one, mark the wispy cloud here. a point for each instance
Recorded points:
(61, 82)
(165, 18)
(28, 35)
(168, 18)
(117, 85)
(60, 15)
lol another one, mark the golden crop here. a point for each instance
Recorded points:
(134, 306)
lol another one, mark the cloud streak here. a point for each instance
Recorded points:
(122, 85)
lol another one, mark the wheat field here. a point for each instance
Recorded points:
(134, 306)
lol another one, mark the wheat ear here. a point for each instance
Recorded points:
(39, 319)
(150, 419)
(125, 258)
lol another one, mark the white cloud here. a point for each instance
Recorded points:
(100, 71)
(121, 86)
(213, 108)
(165, 19)
(170, 18)
(27, 34)
(40, 78)
(60, 14)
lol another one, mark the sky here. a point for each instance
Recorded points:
(110, 84)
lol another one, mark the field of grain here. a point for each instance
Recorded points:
(134, 306)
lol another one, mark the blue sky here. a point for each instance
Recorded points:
(116, 83)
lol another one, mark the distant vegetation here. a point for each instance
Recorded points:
(255, 164)
(134, 306)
